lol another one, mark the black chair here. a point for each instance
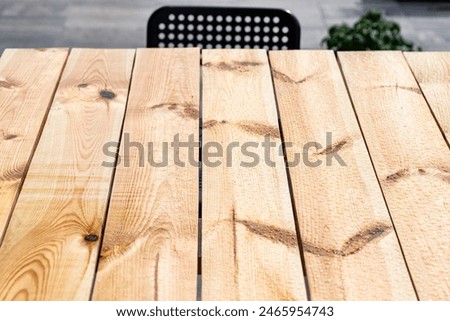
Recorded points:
(222, 27)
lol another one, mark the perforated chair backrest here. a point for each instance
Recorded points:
(222, 27)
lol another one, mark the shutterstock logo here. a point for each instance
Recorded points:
(214, 154)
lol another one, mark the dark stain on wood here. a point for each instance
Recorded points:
(319, 251)
(357, 242)
(155, 276)
(354, 244)
(273, 233)
(6, 136)
(91, 237)
(443, 174)
(183, 110)
(82, 85)
(6, 84)
(190, 112)
(285, 78)
(247, 63)
(233, 217)
(170, 106)
(107, 94)
(241, 66)
(162, 105)
(10, 136)
(259, 129)
(397, 175)
(209, 123)
(335, 147)
(40, 49)
(412, 89)
(13, 174)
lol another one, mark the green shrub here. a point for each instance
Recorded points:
(371, 32)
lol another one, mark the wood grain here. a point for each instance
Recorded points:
(150, 246)
(348, 238)
(249, 243)
(50, 249)
(411, 159)
(432, 72)
(28, 79)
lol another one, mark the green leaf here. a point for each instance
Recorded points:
(370, 32)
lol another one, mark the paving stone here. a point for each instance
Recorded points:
(118, 23)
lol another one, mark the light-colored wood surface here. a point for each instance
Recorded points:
(432, 72)
(28, 78)
(50, 249)
(150, 246)
(347, 235)
(411, 159)
(81, 229)
(249, 241)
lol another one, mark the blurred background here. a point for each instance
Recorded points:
(122, 23)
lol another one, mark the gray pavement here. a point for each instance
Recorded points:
(122, 23)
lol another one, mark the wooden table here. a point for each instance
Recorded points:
(363, 215)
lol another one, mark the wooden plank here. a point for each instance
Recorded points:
(28, 79)
(249, 243)
(348, 239)
(51, 247)
(411, 160)
(432, 71)
(150, 246)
